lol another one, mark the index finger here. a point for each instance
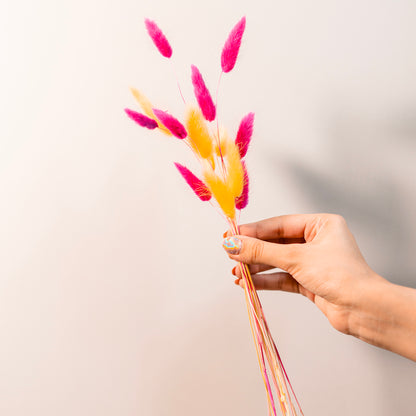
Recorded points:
(290, 227)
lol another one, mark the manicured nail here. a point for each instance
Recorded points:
(226, 233)
(232, 245)
(234, 271)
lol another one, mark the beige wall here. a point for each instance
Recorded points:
(115, 295)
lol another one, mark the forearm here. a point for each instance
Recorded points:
(386, 317)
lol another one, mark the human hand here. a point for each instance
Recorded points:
(320, 259)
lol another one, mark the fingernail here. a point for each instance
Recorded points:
(225, 234)
(232, 245)
(233, 271)
(237, 282)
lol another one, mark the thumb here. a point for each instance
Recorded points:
(254, 251)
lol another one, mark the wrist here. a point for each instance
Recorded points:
(385, 316)
(367, 316)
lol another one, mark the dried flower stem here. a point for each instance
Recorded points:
(177, 82)
(266, 348)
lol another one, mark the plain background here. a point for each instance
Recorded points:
(115, 295)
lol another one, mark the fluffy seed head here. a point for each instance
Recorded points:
(171, 123)
(158, 38)
(200, 189)
(198, 132)
(242, 201)
(232, 46)
(141, 119)
(245, 131)
(146, 106)
(224, 138)
(202, 95)
(221, 192)
(235, 172)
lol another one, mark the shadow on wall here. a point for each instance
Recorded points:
(366, 179)
(369, 178)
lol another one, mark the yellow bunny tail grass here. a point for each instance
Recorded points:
(198, 132)
(235, 171)
(221, 192)
(144, 102)
(146, 106)
(222, 142)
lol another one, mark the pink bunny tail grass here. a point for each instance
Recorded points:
(200, 189)
(245, 131)
(141, 119)
(159, 39)
(232, 46)
(242, 201)
(171, 123)
(202, 95)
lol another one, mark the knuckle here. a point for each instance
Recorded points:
(337, 219)
(257, 249)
